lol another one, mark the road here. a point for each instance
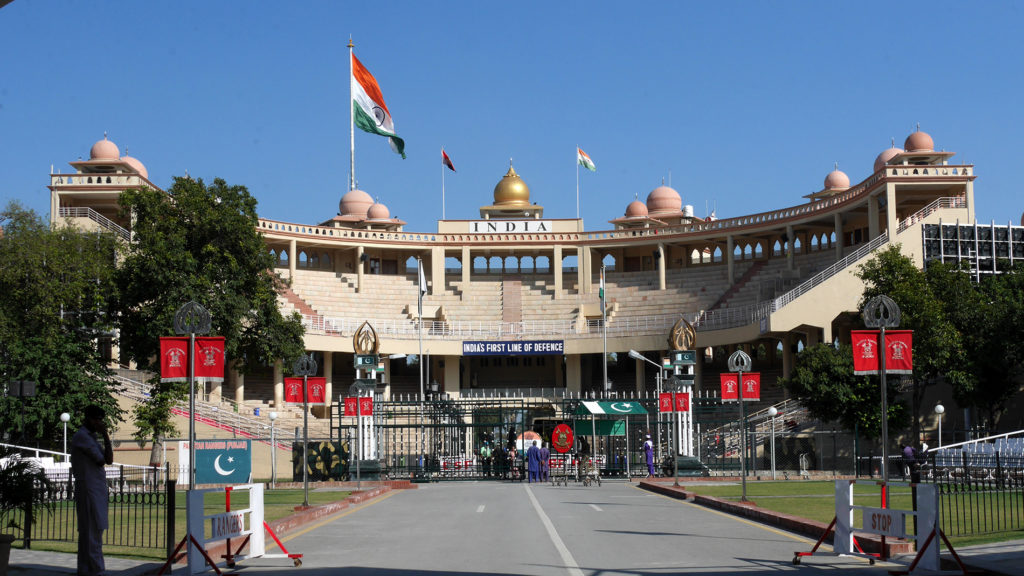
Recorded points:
(501, 528)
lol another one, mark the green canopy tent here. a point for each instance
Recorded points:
(608, 427)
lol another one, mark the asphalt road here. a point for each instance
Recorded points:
(501, 528)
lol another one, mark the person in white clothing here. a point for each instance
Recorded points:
(88, 459)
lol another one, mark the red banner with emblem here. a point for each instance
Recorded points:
(730, 391)
(209, 358)
(665, 402)
(173, 359)
(752, 386)
(682, 402)
(899, 347)
(316, 389)
(364, 405)
(208, 355)
(562, 438)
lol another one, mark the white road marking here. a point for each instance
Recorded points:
(570, 563)
(596, 507)
(480, 508)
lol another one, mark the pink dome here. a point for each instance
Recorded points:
(636, 209)
(664, 200)
(135, 164)
(355, 203)
(104, 150)
(378, 212)
(837, 180)
(885, 156)
(919, 142)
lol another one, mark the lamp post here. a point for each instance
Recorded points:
(305, 366)
(882, 312)
(939, 410)
(273, 453)
(739, 362)
(65, 417)
(638, 356)
(772, 413)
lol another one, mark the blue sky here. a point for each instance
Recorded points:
(740, 106)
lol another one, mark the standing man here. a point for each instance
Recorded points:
(649, 456)
(533, 461)
(88, 459)
(545, 461)
(485, 458)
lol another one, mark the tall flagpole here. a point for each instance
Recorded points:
(351, 122)
(604, 328)
(442, 182)
(419, 311)
(577, 182)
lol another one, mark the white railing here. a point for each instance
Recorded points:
(103, 221)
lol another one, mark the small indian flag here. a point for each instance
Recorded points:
(370, 111)
(585, 160)
(601, 292)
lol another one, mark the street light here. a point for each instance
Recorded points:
(939, 410)
(772, 413)
(657, 379)
(273, 452)
(65, 417)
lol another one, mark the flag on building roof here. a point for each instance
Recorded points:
(370, 111)
(446, 160)
(585, 160)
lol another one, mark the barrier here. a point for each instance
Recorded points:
(246, 524)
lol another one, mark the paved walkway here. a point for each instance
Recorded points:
(578, 514)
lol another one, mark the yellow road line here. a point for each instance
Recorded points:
(333, 517)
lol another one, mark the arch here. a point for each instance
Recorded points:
(609, 262)
(695, 256)
(542, 264)
(815, 245)
(325, 260)
(737, 253)
(510, 264)
(528, 264)
(494, 264)
(303, 259)
(777, 248)
(797, 246)
(759, 250)
(716, 255)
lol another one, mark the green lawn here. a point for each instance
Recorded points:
(815, 500)
(277, 504)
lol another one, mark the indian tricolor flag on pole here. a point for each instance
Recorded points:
(601, 292)
(585, 160)
(369, 110)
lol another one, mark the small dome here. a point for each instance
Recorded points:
(885, 156)
(837, 180)
(919, 142)
(104, 150)
(136, 165)
(636, 209)
(664, 200)
(355, 203)
(511, 191)
(378, 212)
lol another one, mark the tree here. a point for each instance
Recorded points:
(823, 380)
(991, 320)
(56, 294)
(938, 346)
(201, 243)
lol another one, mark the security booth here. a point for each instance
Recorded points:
(616, 431)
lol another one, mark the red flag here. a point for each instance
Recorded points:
(446, 160)
(865, 351)
(665, 402)
(899, 357)
(293, 389)
(752, 386)
(683, 402)
(209, 358)
(173, 359)
(364, 405)
(730, 391)
(350, 405)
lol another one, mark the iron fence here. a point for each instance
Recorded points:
(140, 510)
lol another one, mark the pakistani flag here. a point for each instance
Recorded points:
(370, 111)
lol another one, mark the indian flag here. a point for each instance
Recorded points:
(585, 160)
(601, 292)
(370, 111)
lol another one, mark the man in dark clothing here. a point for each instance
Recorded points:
(911, 462)
(533, 462)
(88, 458)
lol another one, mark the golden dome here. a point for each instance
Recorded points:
(511, 191)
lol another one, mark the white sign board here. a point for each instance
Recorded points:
(885, 522)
